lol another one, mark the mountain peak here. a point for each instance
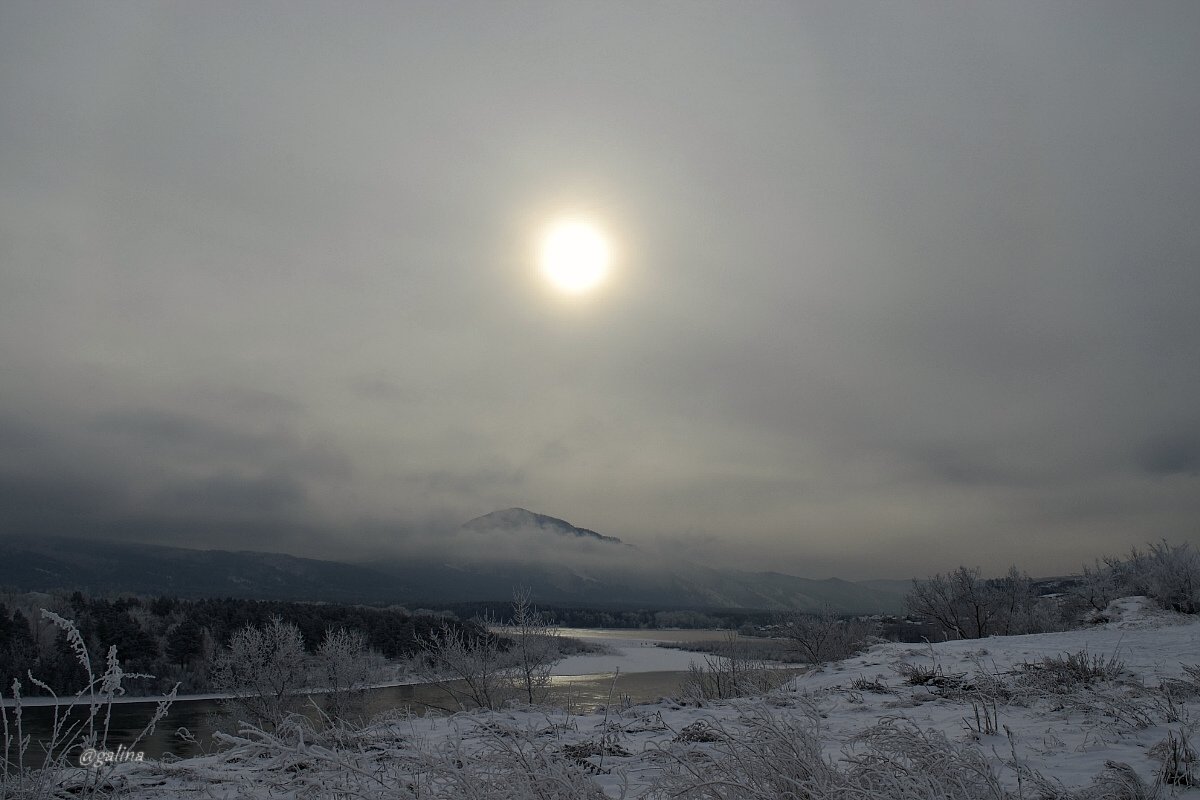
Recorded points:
(523, 519)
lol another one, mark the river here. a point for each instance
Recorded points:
(625, 675)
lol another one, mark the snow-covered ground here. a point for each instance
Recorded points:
(967, 719)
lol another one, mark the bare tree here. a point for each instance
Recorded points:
(345, 666)
(534, 646)
(824, 636)
(960, 603)
(481, 668)
(732, 671)
(1018, 608)
(1097, 587)
(264, 669)
(1170, 574)
(469, 666)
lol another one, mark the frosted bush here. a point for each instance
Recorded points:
(823, 637)
(345, 672)
(774, 756)
(731, 672)
(265, 670)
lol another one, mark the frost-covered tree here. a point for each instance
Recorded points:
(959, 602)
(1170, 574)
(469, 665)
(824, 636)
(477, 667)
(344, 663)
(966, 606)
(534, 648)
(1096, 588)
(264, 669)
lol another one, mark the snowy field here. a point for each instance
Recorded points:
(988, 718)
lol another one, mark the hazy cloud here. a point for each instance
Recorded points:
(232, 493)
(894, 283)
(1172, 455)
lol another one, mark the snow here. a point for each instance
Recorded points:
(1079, 739)
(627, 656)
(1069, 744)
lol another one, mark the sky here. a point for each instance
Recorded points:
(895, 286)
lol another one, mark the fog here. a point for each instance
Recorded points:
(896, 287)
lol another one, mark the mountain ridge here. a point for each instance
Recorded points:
(521, 518)
(584, 567)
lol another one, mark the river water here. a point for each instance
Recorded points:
(202, 717)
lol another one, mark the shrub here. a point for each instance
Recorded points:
(731, 672)
(1169, 574)
(917, 675)
(478, 669)
(1177, 757)
(1069, 671)
(875, 685)
(965, 606)
(346, 671)
(776, 757)
(265, 670)
(481, 758)
(820, 638)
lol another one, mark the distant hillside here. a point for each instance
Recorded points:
(564, 563)
(559, 562)
(98, 567)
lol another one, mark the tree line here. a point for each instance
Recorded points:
(964, 605)
(179, 641)
(628, 618)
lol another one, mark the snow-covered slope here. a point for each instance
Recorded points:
(992, 718)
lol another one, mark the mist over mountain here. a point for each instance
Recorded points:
(564, 563)
(519, 519)
(484, 560)
(97, 567)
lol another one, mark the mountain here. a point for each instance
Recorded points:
(563, 563)
(519, 519)
(483, 561)
(49, 563)
(890, 585)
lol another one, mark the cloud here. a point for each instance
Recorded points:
(32, 503)
(1173, 455)
(890, 287)
(225, 494)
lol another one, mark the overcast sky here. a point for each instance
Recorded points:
(897, 286)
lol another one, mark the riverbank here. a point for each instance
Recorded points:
(627, 651)
(999, 718)
(580, 683)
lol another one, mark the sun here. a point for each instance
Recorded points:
(575, 255)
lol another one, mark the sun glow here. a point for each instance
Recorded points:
(575, 255)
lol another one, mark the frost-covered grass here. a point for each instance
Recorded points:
(1109, 713)
(67, 761)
